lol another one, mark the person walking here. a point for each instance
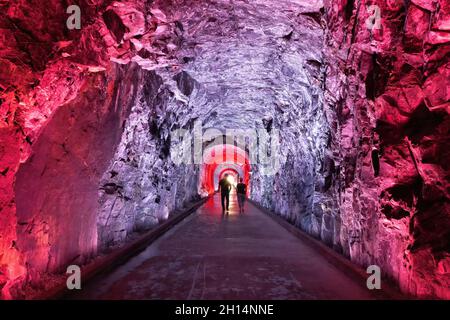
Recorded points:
(241, 189)
(225, 188)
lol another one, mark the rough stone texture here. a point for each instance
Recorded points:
(34, 85)
(269, 66)
(63, 107)
(225, 257)
(86, 118)
(254, 65)
(389, 89)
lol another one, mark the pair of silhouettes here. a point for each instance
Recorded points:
(225, 188)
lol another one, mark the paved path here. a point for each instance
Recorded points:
(236, 256)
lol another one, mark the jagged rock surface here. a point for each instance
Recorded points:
(389, 88)
(143, 185)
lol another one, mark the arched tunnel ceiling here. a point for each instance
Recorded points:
(250, 66)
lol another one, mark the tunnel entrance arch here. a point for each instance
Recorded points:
(220, 159)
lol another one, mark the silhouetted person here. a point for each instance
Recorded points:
(225, 188)
(241, 189)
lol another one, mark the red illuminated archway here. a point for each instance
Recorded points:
(231, 171)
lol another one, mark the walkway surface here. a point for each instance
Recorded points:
(234, 256)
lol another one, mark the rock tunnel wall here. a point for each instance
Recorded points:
(279, 87)
(56, 187)
(143, 185)
(66, 97)
(362, 115)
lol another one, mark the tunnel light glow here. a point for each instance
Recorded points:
(231, 180)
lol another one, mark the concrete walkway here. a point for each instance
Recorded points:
(234, 256)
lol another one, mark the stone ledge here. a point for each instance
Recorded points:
(107, 263)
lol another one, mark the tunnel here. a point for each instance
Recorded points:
(335, 115)
(223, 159)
